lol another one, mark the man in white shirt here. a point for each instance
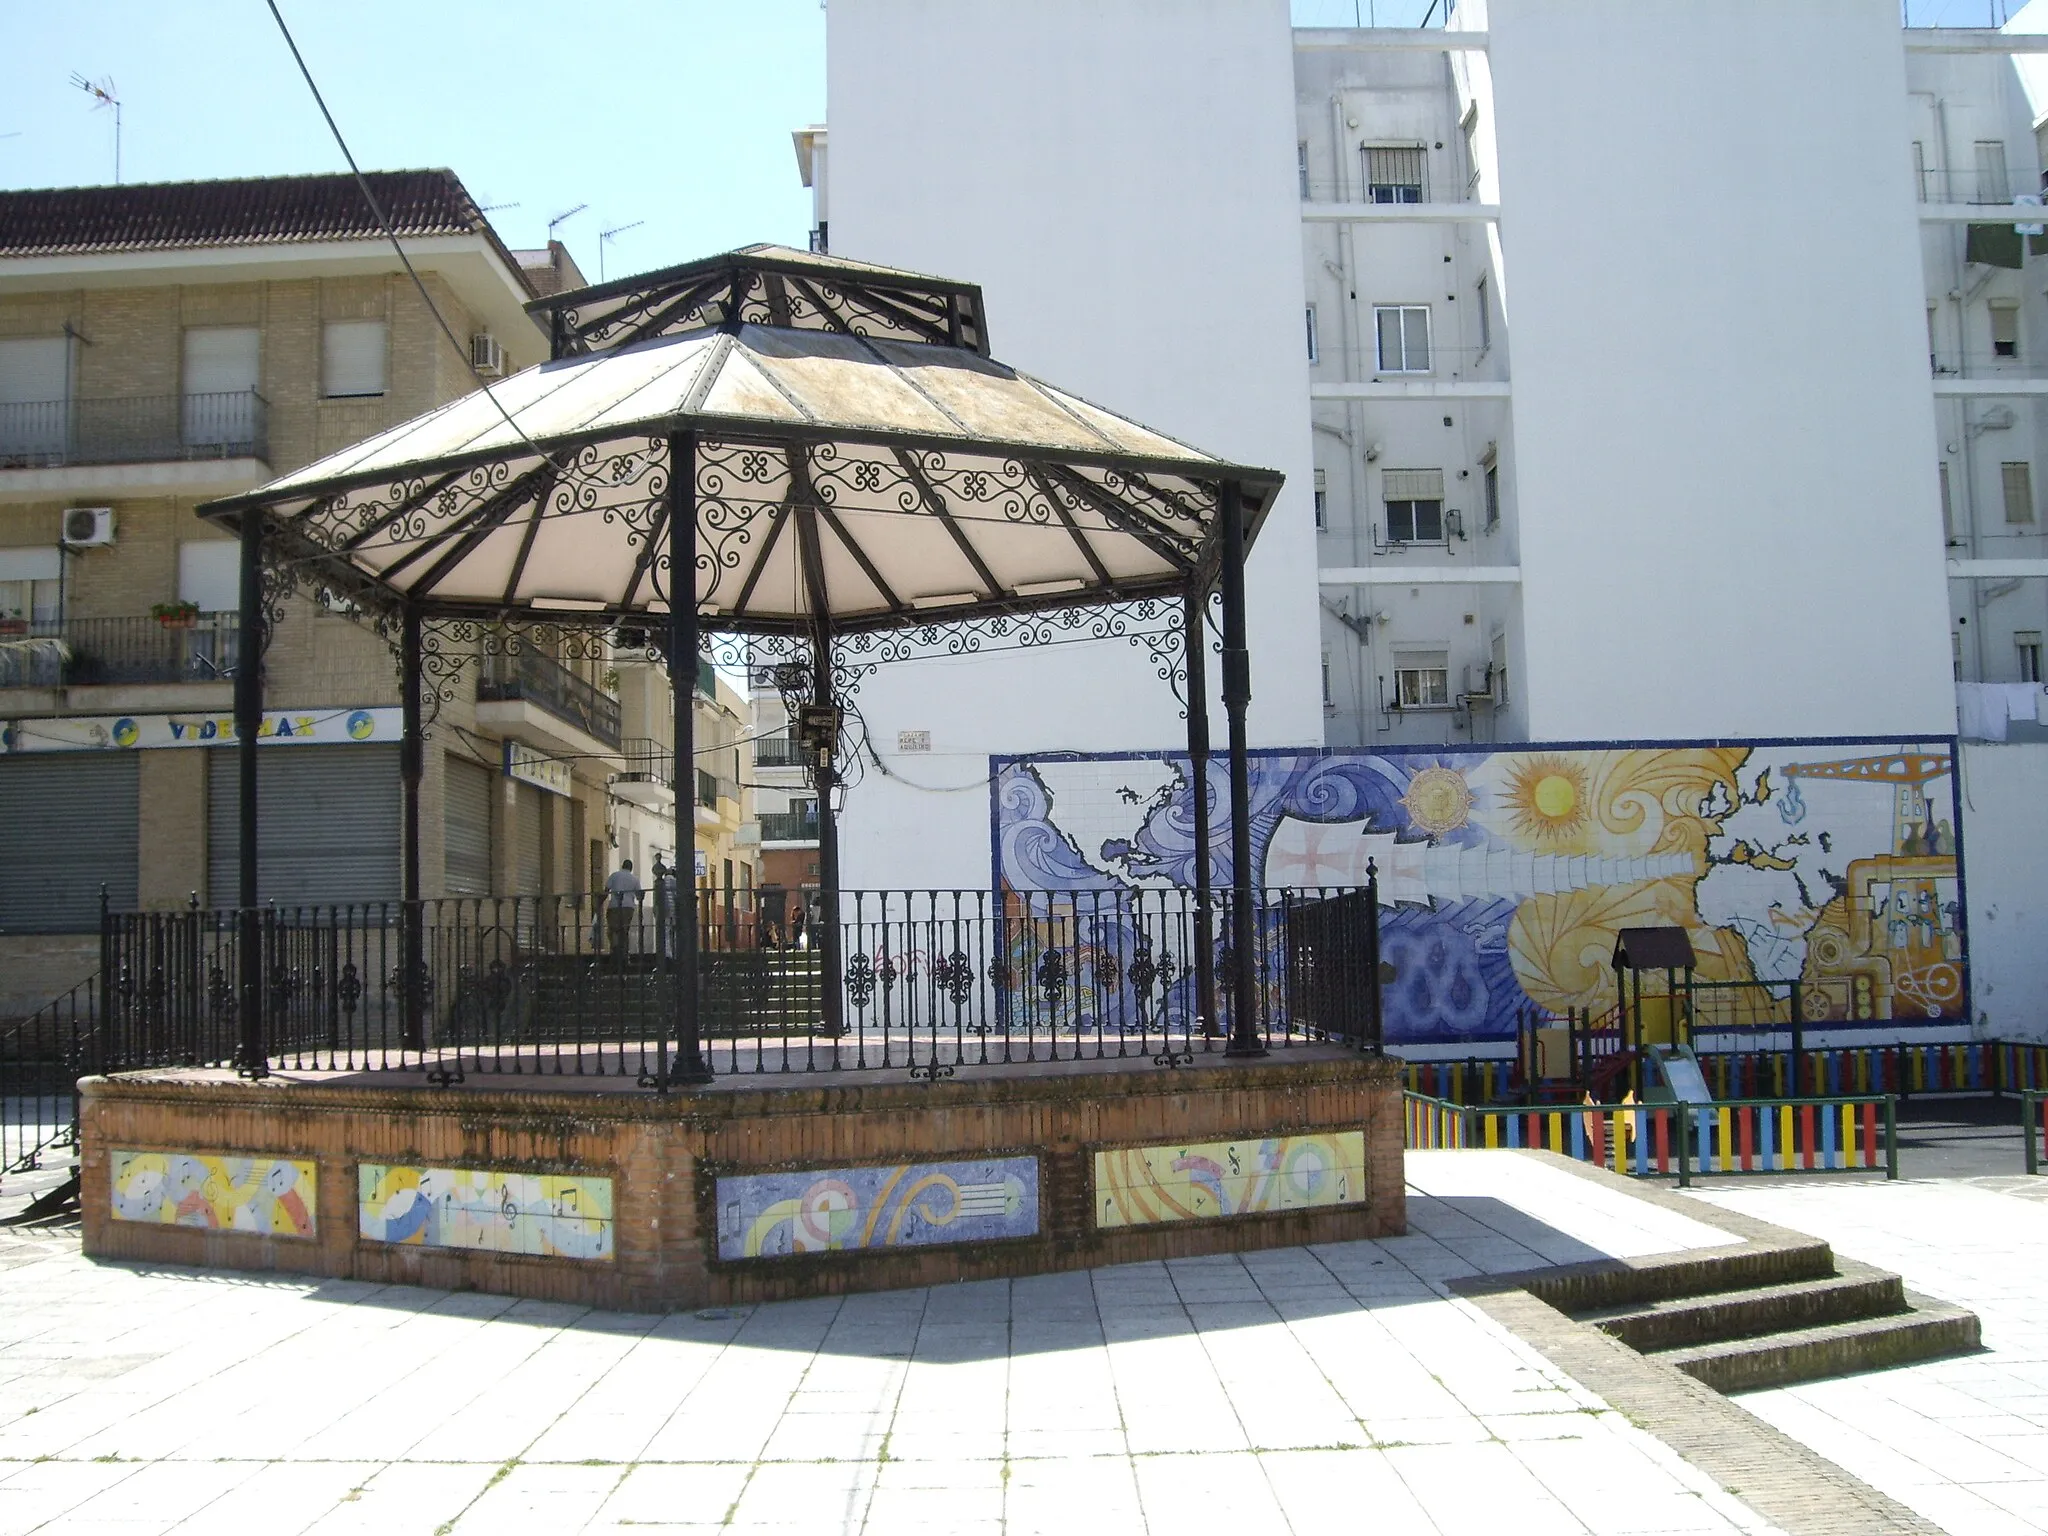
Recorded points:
(622, 905)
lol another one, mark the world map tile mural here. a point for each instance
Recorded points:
(1506, 873)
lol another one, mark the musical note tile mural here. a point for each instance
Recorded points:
(265, 1196)
(815, 1210)
(556, 1216)
(1192, 1181)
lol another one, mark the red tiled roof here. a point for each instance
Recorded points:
(259, 210)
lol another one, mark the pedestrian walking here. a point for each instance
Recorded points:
(622, 905)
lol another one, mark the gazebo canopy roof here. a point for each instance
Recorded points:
(856, 453)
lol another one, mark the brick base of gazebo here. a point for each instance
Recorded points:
(593, 1191)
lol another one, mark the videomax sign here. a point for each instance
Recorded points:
(136, 733)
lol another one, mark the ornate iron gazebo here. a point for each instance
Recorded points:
(829, 446)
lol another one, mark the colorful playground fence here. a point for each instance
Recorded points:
(2034, 1122)
(1743, 1136)
(1963, 1066)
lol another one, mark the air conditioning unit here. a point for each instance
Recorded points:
(486, 355)
(88, 527)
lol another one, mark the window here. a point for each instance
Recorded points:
(2028, 643)
(1948, 516)
(1422, 680)
(1497, 669)
(220, 385)
(1327, 704)
(210, 574)
(1933, 349)
(1402, 333)
(1492, 497)
(1919, 171)
(1485, 318)
(1955, 652)
(35, 397)
(2005, 329)
(2017, 480)
(1322, 500)
(1991, 177)
(1311, 313)
(352, 358)
(1395, 175)
(1301, 166)
(1470, 129)
(1415, 505)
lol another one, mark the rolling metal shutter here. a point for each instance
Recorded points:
(70, 824)
(330, 831)
(527, 814)
(468, 788)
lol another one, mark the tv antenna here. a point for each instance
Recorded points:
(562, 218)
(605, 238)
(102, 94)
(495, 207)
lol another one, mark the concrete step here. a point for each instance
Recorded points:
(1930, 1330)
(1856, 1292)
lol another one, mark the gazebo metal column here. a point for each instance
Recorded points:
(253, 1060)
(1237, 694)
(1195, 643)
(689, 1067)
(824, 761)
(412, 759)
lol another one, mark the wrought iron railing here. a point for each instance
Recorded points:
(138, 429)
(41, 1059)
(789, 826)
(778, 752)
(75, 653)
(535, 677)
(707, 789)
(647, 759)
(904, 980)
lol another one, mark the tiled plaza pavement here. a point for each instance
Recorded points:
(1305, 1390)
(1963, 1442)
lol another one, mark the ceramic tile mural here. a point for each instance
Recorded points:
(267, 1196)
(774, 1215)
(557, 1216)
(1506, 873)
(1190, 1181)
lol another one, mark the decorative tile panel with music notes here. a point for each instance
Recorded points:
(264, 1196)
(1197, 1181)
(556, 1216)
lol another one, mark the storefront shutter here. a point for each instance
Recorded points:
(330, 829)
(469, 788)
(70, 825)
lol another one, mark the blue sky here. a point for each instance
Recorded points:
(675, 112)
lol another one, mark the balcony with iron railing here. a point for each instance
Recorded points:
(778, 752)
(789, 826)
(648, 761)
(84, 653)
(534, 677)
(140, 429)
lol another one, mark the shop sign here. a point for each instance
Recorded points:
(530, 765)
(141, 733)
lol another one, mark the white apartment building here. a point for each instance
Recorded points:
(1640, 373)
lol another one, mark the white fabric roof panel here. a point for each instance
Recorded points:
(929, 479)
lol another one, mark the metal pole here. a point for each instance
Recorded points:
(1195, 642)
(1377, 997)
(689, 1067)
(248, 726)
(1798, 1036)
(1237, 694)
(412, 757)
(826, 775)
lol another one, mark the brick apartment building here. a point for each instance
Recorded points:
(161, 345)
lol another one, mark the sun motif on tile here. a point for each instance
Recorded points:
(1438, 801)
(1547, 798)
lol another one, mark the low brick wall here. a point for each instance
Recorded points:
(627, 1200)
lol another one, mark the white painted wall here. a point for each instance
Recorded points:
(1724, 430)
(2005, 848)
(1119, 175)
